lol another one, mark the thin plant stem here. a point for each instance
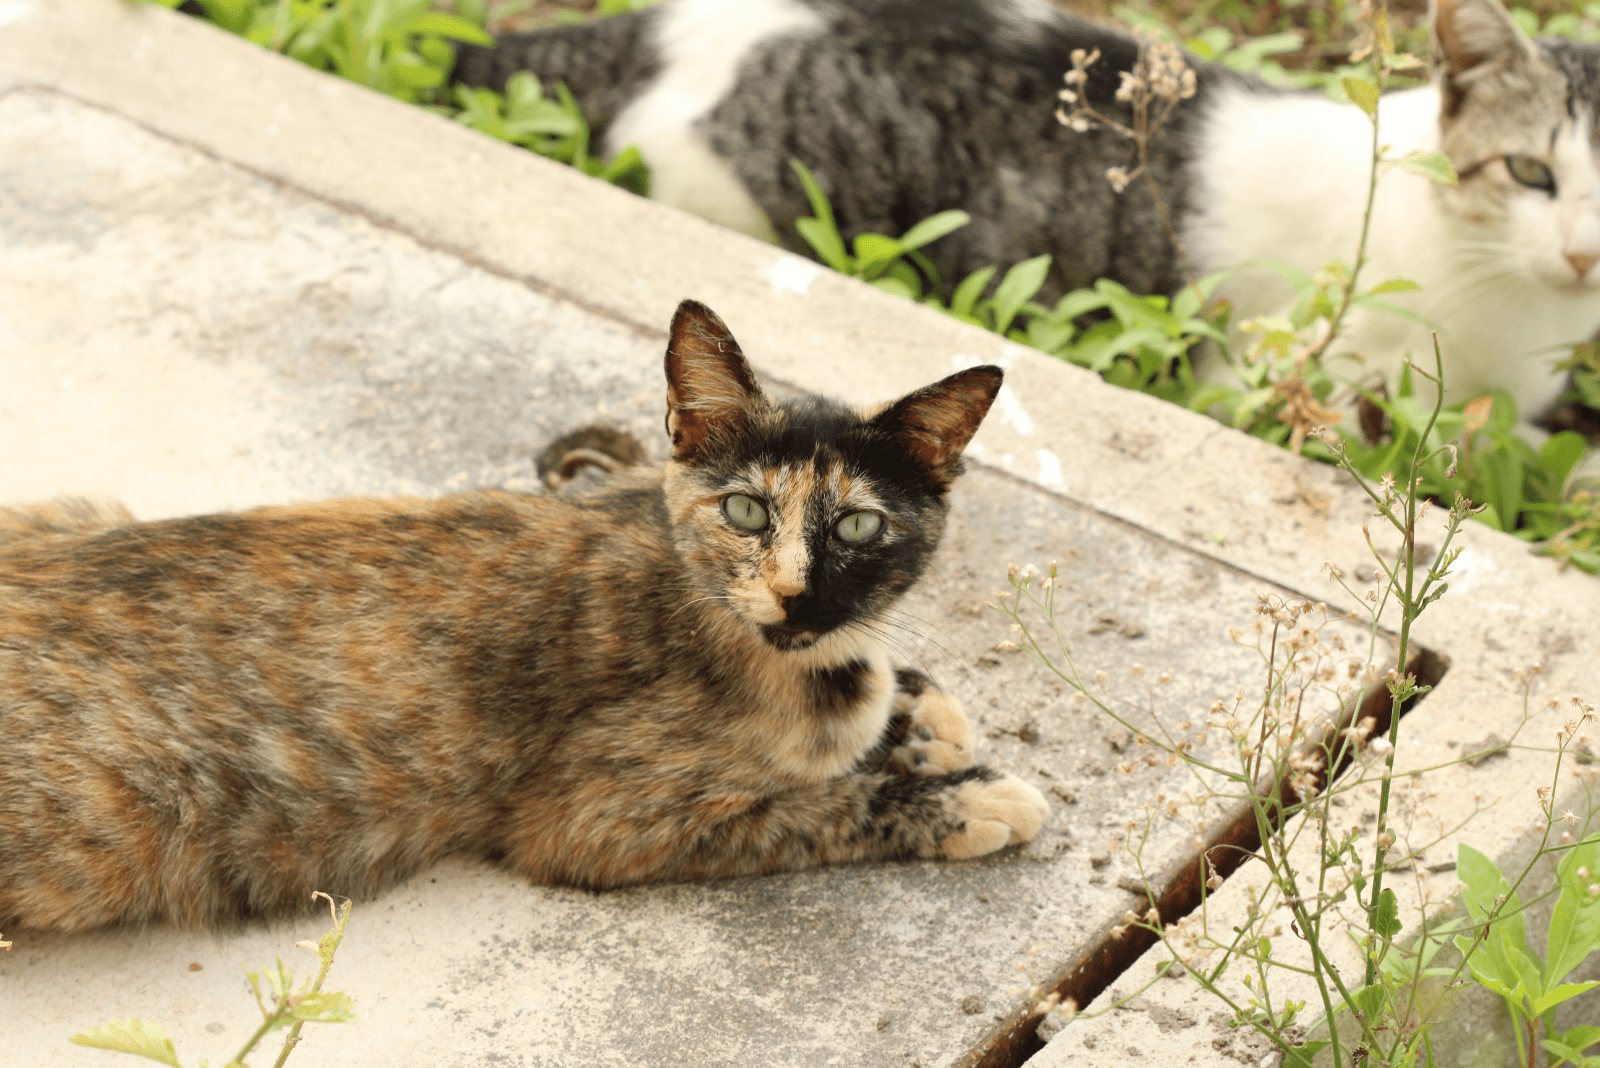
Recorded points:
(326, 948)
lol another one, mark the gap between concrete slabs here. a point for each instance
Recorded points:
(1174, 475)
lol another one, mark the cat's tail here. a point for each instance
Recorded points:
(600, 450)
(605, 63)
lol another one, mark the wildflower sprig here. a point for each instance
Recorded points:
(282, 1005)
(1160, 80)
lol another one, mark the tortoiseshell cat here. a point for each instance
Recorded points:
(678, 677)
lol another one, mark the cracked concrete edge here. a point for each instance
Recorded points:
(1172, 473)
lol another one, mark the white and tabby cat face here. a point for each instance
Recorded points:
(1518, 120)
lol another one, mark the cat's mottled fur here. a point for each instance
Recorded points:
(904, 108)
(680, 676)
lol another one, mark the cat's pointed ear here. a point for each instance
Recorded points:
(711, 391)
(936, 422)
(1474, 40)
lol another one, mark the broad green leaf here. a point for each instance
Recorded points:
(1574, 930)
(1370, 1000)
(1530, 975)
(1303, 1056)
(1482, 883)
(437, 53)
(1134, 310)
(1016, 288)
(1250, 55)
(629, 171)
(1587, 385)
(235, 16)
(1502, 485)
(1393, 285)
(1580, 1038)
(895, 286)
(933, 228)
(1186, 301)
(970, 289)
(1362, 92)
(925, 265)
(138, 1037)
(824, 239)
(874, 252)
(1210, 42)
(1435, 166)
(409, 72)
(819, 200)
(1560, 454)
(1385, 919)
(1545, 1002)
(1049, 335)
(441, 24)
(1098, 351)
(522, 90)
(907, 275)
(476, 11)
(1078, 302)
(330, 1007)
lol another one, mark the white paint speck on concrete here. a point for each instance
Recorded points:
(1049, 469)
(14, 11)
(791, 274)
(1011, 411)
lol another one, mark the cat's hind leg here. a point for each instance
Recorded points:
(937, 736)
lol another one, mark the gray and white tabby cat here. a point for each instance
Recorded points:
(907, 107)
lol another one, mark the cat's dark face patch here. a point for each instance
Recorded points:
(818, 519)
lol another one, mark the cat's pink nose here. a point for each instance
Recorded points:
(1581, 262)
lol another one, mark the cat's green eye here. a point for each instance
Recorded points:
(746, 513)
(858, 527)
(1531, 172)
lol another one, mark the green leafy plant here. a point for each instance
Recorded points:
(555, 129)
(401, 48)
(1506, 964)
(282, 1006)
(892, 264)
(1141, 342)
(397, 47)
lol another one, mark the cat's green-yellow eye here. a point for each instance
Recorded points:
(746, 513)
(858, 527)
(1531, 172)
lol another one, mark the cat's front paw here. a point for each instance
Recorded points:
(938, 738)
(998, 812)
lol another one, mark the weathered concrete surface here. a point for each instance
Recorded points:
(226, 280)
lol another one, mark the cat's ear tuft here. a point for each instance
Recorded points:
(935, 422)
(1474, 40)
(711, 391)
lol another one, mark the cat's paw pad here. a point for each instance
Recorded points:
(998, 812)
(938, 739)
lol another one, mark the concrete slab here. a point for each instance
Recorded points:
(227, 280)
